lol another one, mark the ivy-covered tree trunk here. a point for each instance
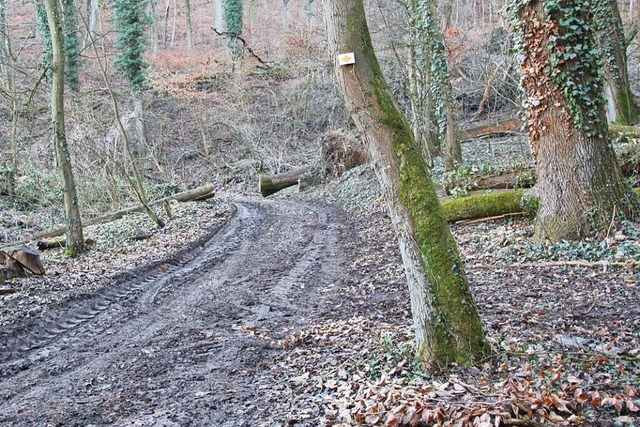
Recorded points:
(75, 239)
(130, 22)
(447, 325)
(580, 184)
(43, 30)
(433, 88)
(621, 106)
(233, 19)
(71, 44)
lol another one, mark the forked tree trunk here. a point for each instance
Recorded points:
(621, 105)
(579, 181)
(448, 329)
(63, 158)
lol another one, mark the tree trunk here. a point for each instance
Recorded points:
(219, 22)
(579, 181)
(187, 4)
(270, 184)
(448, 329)
(165, 30)
(63, 158)
(621, 106)
(93, 7)
(453, 155)
(71, 44)
(153, 27)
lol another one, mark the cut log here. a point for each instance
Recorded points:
(504, 126)
(197, 194)
(23, 256)
(13, 270)
(524, 177)
(270, 184)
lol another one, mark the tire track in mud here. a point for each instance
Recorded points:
(180, 329)
(151, 281)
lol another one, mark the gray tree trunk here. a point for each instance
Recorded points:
(446, 321)
(187, 4)
(75, 237)
(621, 105)
(219, 22)
(93, 9)
(153, 27)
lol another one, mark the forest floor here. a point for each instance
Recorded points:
(294, 311)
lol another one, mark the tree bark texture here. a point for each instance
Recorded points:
(187, 6)
(579, 181)
(621, 105)
(63, 158)
(448, 329)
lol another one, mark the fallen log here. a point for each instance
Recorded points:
(270, 184)
(504, 126)
(44, 245)
(482, 205)
(200, 193)
(523, 177)
(496, 203)
(6, 290)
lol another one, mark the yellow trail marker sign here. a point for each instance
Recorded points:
(346, 58)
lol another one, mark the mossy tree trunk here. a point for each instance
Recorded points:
(621, 106)
(75, 236)
(447, 325)
(579, 181)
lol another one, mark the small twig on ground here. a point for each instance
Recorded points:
(489, 218)
(244, 44)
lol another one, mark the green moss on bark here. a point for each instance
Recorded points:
(483, 205)
(627, 113)
(458, 335)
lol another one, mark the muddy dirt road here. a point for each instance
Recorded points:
(182, 343)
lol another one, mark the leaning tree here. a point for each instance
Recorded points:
(447, 325)
(75, 239)
(580, 184)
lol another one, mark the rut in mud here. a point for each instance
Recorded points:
(183, 342)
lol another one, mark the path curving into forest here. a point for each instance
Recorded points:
(181, 343)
